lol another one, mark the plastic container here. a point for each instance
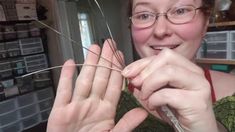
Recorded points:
(35, 62)
(15, 127)
(42, 83)
(233, 55)
(3, 54)
(22, 34)
(5, 66)
(7, 106)
(6, 74)
(216, 46)
(27, 99)
(45, 115)
(217, 36)
(216, 54)
(22, 26)
(31, 121)
(1, 36)
(9, 33)
(45, 94)
(221, 67)
(12, 45)
(35, 32)
(2, 46)
(8, 118)
(31, 46)
(46, 104)
(42, 75)
(28, 111)
(25, 84)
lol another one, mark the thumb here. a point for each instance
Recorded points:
(130, 120)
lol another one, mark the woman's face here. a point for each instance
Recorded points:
(184, 39)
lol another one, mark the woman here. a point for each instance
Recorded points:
(166, 35)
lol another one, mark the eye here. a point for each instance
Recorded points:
(144, 16)
(181, 11)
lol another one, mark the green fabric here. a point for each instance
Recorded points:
(224, 111)
(151, 124)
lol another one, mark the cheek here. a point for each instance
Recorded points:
(191, 31)
(140, 36)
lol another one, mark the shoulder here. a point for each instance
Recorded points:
(224, 84)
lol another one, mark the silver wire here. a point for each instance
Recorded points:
(55, 67)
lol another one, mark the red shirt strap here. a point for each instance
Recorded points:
(208, 77)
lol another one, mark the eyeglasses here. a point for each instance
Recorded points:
(178, 15)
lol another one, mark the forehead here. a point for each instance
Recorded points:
(166, 2)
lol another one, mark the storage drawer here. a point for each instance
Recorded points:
(233, 55)
(28, 110)
(232, 36)
(26, 11)
(233, 45)
(26, 99)
(15, 127)
(1, 33)
(217, 36)
(2, 46)
(23, 34)
(31, 121)
(3, 54)
(217, 46)
(42, 83)
(31, 46)
(12, 45)
(216, 54)
(25, 84)
(42, 75)
(44, 94)
(46, 104)
(5, 74)
(7, 106)
(45, 115)
(5, 66)
(35, 62)
(8, 118)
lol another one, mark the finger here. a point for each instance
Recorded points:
(102, 74)
(64, 90)
(176, 98)
(175, 77)
(86, 76)
(143, 69)
(114, 88)
(130, 120)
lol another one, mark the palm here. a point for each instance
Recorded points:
(92, 112)
(91, 105)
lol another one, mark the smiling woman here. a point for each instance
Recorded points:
(165, 75)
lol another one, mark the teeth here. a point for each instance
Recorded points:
(162, 47)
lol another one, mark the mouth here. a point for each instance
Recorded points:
(161, 47)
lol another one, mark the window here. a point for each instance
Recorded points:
(85, 31)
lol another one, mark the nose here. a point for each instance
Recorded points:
(162, 27)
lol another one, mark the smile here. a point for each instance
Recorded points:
(161, 47)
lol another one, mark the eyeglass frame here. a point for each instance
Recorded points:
(157, 15)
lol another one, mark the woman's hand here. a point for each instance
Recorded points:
(91, 105)
(170, 79)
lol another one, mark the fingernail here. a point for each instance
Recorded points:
(125, 72)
